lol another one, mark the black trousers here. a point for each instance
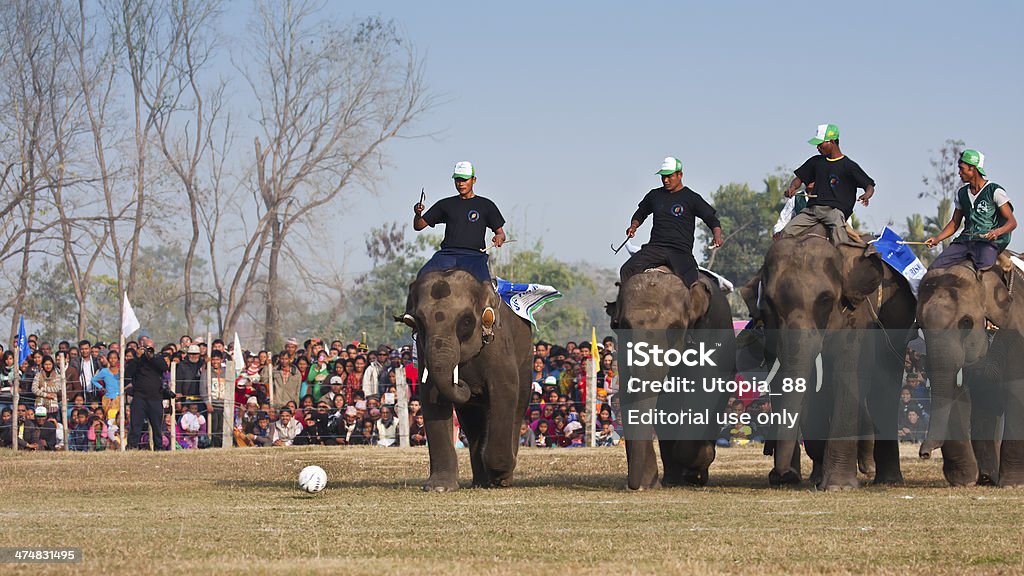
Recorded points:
(682, 263)
(143, 410)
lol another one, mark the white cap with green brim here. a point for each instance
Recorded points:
(463, 170)
(670, 165)
(825, 133)
(974, 158)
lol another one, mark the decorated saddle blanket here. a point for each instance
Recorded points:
(525, 299)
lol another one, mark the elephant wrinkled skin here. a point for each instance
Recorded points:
(821, 299)
(488, 385)
(955, 304)
(657, 304)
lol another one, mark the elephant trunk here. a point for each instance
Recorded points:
(798, 353)
(949, 427)
(441, 370)
(945, 361)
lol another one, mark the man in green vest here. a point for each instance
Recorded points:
(986, 213)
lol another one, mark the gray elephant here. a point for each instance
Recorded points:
(819, 301)
(955, 305)
(475, 355)
(657, 307)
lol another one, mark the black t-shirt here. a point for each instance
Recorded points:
(675, 215)
(835, 181)
(465, 220)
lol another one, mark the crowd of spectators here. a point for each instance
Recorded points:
(325, 394)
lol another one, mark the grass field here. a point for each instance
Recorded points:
(238, 511)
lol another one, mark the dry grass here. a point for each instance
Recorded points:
(206, 512)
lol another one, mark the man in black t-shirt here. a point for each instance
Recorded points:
(466, 218)
(675, 208)
(836, 179)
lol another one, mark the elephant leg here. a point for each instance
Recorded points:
(887, 462)
(502, 433)
(472, 419)
(1011, 454)
(883, 415)
(642, 465)
(697, 470)
(815, 450)
(672, 458)
(641, 461)
(444, 465)
(959, 466)
(840, 467)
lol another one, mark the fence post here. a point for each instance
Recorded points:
(174, 403)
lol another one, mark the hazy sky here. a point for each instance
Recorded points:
(567, 108)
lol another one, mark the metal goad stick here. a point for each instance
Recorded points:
(616, 250)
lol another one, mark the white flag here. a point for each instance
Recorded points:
(129, 322)
(237, 357)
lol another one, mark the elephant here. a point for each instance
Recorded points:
(656, 306)
(475, 354)
(840, 303)
(956, 304)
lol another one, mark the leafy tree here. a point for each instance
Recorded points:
(747, 217)
(563, 319)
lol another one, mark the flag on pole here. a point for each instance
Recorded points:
(236, 355)
(900, 257)
(23, 350)
(129, 321)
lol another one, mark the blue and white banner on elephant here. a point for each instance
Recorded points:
(525, 299)
(895, 253)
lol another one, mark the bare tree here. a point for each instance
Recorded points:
(329, 97)
(187, 117)
(942, 185)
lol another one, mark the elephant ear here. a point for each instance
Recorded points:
(996, 298)
(700, 302)
(862, 274)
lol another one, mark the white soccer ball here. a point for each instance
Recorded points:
(312, 479)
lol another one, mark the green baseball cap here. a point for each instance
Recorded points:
(463, 170)
(825, 133)
(974, 158)
(670, 165)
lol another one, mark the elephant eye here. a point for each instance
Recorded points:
(823, 309)
(465, 328)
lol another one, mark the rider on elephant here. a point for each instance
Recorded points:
(675, 208)
(466, 218)
(984, 209)
(836, 179)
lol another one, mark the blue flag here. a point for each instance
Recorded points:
(900, 257)
(23, 351)
(525, 299)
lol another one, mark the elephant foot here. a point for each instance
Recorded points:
(986, 480)
(888, 479)
(696, 477)
(817, 474)
(833, 483)
(656, 484)
(1011, 479)
(500, 482)
(866, 466)
(439, 484)
(960, 477)
(786, 479)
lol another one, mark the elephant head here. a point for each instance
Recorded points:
(659, 301)
(952, 310)
(454, 316)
